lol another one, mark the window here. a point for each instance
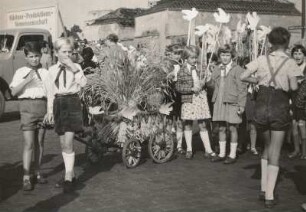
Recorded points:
(28, 38)
(6, 42)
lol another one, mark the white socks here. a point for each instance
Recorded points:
(69, 165)
(264, 172)
(179, 138)
(222, 145)
(188, 138)
(233, 150)
(271, 181)
(205, 139)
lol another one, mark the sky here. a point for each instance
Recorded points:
(76, 11)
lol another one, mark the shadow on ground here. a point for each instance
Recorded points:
(10, 116)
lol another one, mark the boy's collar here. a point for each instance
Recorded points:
(34, 68)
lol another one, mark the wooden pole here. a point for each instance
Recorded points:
(303, 18)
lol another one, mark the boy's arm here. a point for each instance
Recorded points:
(18, 84)
(50, 92)
(242, 89)
(80, 77)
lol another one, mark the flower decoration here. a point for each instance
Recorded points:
(166, 108)
(240, 27)
(263, 32)
(253, 20)
(190, 14)
(97, 110)
(201, 30)
(222, 16)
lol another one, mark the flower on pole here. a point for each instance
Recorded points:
(189, 15)
(201, 29)
(222, 16)
(253, 20)
(263, 32)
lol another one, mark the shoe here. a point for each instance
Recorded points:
(181, 151)
(217, 158)
(270, 203)
(39, 179)
(262, 196)
(294, 155)
(60, 183)
(239, 150)
(230, 160)
(254, 151)
(68, 186)
(303, 157)
(303, 206)
(248, 147)
(189, 155)
(209, 155)
(27, 185)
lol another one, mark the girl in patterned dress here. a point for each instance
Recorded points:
(229, 100)
(194, 100)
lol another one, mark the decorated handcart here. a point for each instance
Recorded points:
(127, 110)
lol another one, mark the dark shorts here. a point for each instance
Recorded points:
(67, 112)
(32, 112)
(272, 109)
(249, 108)
(298, 113)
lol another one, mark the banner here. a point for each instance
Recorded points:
(42, 18)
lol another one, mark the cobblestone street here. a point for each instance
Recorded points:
(179, 185)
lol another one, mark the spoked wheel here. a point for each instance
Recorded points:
(161, 147)
(131, 153)
(94, 153)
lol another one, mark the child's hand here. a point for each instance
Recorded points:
(69, 64)
(30, 77)
(49, 119)
(196, 90)
(240, 111)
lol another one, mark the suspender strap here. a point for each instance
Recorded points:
(273, 74)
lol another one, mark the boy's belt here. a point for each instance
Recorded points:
(42, 98)
(67, 95)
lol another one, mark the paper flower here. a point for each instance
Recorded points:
(221, 16)
(122, 46)
(95, 110)
(240, 27)
(129, 112)
(263, 32)
(227, 35)
(201, 30)
(190, 14)
(166, 108)
(253, 20)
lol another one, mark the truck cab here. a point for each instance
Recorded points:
(12, 56)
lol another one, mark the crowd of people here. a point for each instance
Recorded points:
(267, 95)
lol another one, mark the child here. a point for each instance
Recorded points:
(87, 63)
(175, 57)
(299, 112)
(65, 81)
(46, 58)
(194, 100)
(276, 75)
(229, 100)
(28, 85)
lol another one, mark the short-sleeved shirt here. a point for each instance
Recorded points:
(34, 89)
(261, 68)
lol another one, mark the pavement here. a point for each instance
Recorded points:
(179, 185)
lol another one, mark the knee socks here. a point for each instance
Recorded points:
(179, 138)
(271, 181)
(233, 150)
(264, 172)
(69, 165)
(188, 138)
(222, 145)
(206, 142)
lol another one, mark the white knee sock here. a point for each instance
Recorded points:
(264, 172)
(69, 165)
(188, 138)
(222, 145)
(271, 181)
(233, 150)
(205, 139)
(179, 138)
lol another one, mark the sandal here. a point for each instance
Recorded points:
(189, 155)
(181, 151)
(254, 151)
(294, 155)
(209, 155)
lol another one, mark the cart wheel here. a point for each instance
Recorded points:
(94, 154)
(131, 153)
(161, 147)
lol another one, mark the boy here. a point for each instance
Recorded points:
(28, 85)
(64, 106)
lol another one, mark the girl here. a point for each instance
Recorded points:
(175, 57)
(276, 75)
(29, 85)
(299, 112)
(194, 100)
(66, 79)
(229, 100)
